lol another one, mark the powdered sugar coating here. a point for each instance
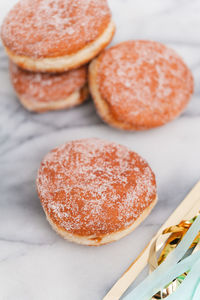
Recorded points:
(43, 87)
(94, 187)
(144, 83)
(51, 28)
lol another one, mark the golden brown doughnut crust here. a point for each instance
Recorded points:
(139, 85)
(92, 187)
(68, 62)
(38, 91)
(54, 28)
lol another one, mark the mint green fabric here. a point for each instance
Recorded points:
(170, 269)
(190, 287)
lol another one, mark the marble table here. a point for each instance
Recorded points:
(35, 263)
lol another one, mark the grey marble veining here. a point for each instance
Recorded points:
(35, 263)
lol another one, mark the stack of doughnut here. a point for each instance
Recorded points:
(49, 43)
(93, 192)
(135, 85)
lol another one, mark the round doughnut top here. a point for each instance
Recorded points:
(144, 83)
(53, 28)
(43, 87)
(94, 187)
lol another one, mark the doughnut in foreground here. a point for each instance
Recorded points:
(40, 92)
(56, 35)
(95, 192)
(139, 85)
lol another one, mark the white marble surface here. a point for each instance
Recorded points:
(35, 263)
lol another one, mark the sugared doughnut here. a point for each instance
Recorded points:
(94, 192)
(139, 85)
(56, 35)
(41, 92)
